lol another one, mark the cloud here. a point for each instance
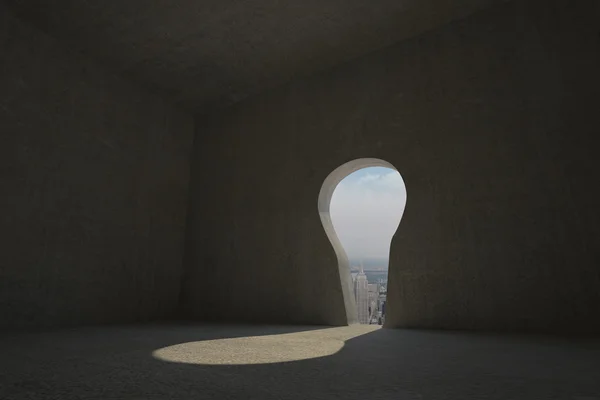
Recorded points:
(366, 208)
(368, 178)
(383, 181)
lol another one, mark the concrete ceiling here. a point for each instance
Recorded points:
(211, 53)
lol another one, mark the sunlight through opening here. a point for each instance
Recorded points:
(361, 204)
(265, 349)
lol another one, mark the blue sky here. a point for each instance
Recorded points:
(366, 209)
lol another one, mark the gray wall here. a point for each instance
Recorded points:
(94, 175)
(491, 121)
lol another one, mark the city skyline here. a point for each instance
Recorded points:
(370, 298)
(366, 208)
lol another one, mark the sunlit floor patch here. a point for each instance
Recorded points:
(262, 349)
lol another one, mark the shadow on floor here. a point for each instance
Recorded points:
(279, 362)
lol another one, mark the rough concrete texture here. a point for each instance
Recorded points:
(94, 176)
(490, 122)
(209, 53)
(121, 363)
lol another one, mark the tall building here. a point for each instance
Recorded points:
(361, 294)
(373, 295)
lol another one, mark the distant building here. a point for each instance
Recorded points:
(373, 294)
(361, 294)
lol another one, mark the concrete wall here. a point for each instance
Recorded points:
(491, 122)
(94, 175)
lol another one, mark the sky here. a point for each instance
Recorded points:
(366, 209)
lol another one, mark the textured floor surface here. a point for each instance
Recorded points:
(254, 362)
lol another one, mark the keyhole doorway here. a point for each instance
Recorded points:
(361, 204)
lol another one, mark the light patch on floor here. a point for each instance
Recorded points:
(263, 349)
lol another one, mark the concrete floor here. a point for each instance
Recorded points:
(271, 362)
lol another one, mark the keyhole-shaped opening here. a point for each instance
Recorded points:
(361, 204)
